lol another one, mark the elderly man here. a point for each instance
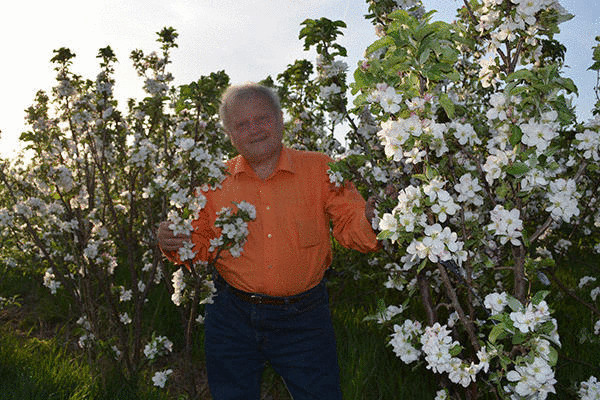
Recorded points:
(271, 302)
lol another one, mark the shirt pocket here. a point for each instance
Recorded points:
(308, 232)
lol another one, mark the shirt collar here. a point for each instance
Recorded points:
(285, 162)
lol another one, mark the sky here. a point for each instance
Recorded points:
(249, 39)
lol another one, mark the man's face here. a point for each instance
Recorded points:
(255, 129)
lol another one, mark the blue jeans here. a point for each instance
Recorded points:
(297, 339)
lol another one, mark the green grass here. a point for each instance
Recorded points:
(36, 369)
(369, 369)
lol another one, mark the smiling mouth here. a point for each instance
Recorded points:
(258, 139)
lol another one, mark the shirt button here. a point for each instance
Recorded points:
(269, 236)
(268, 207)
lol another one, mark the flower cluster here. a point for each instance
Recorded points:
(528, 319)
(88, 336)
(404, 340)
(563, 199)
(468, 189)
(540, 134)
(50, 281)
(535, 378)
(329, 70)
(495, 302)
(234, 228)
(506, 224)
(589, 144)
(437, 245)
(178, 287)
(590, 389)
(160, 377)
(158, 346)
(389, 313)
(336, 178)
(387, 98)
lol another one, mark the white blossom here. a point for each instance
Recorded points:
(50, 281)
(590, 389)
(160, 378)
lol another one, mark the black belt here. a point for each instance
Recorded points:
(256, 298)
(264, 299)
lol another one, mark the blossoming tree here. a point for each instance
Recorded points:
(470, 125)
(87, 204)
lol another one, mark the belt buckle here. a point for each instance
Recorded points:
(256, 298)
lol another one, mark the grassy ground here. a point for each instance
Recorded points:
(36, 361)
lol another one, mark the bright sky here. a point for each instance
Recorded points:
(248, 39)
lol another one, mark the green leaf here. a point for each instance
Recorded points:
(513, 303)
(518, 169)
(385, 41)
(552, 356)
(430, 173)
(447, 104)
(539, 296)
(496, 332)
(424, 56)
(522, 74)
(518, 338)
(502, 190)
(454, 76)
(567, 84)
(547, 328)
(456, 350)
(421, 177)
(422, 265)
(516, 135)
(384, 235)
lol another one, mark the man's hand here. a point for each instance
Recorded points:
(167, 240)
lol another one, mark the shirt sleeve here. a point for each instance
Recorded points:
(346, 209)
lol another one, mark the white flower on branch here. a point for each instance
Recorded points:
(124, 318)
(538, 135)
(536, 377)
(158, 346)
(390, 100)
(328, 91)
(465, 134)
(495, 302)
(468, 187)
(590, 389)
(50, 281)
(506, 224)
(585, 280)
(595, 292)
(589, 144)
(335, 177)
(160, 378)
(178, 287)
(437, 343)
(125, 295)
(403, 338)
(186, 252)
(387, 314)
(563, 198)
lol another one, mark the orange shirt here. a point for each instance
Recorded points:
(288, 247)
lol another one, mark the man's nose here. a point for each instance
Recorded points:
(254, 127)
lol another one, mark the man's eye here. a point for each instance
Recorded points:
(263, 120)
